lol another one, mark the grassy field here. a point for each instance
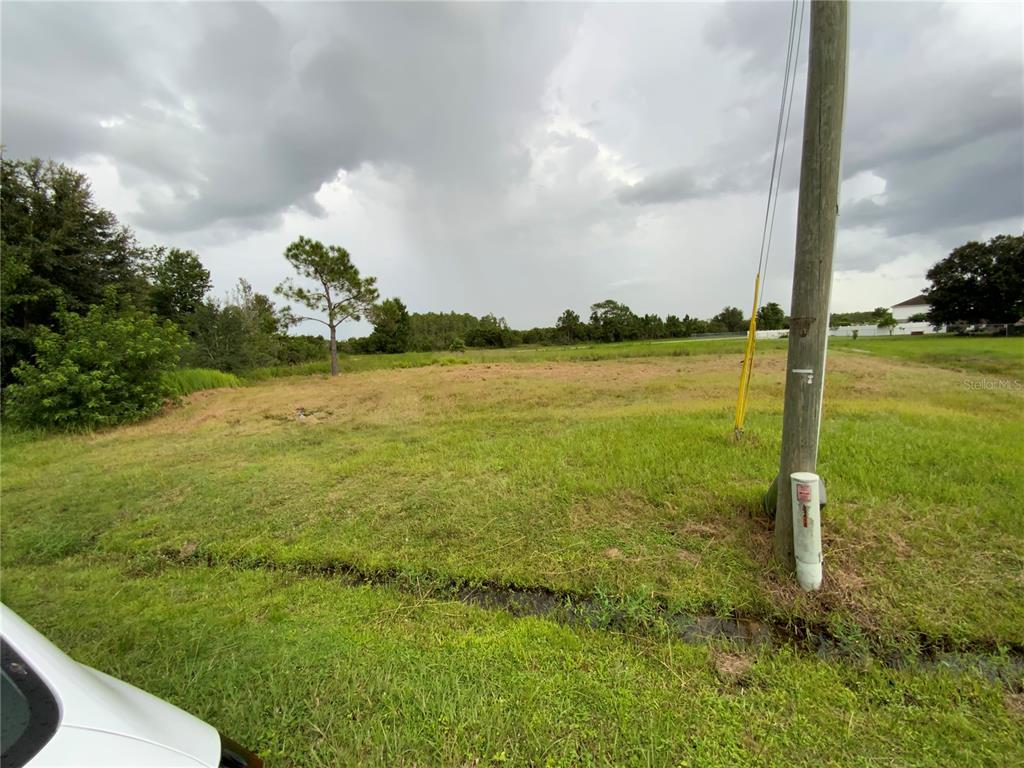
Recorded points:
(316, 674)
(994, 355)
(524, 354)
(200, 553)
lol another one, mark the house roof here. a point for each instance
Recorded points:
(919, 299)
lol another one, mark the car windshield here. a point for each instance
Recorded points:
(14, 712)
(28, 711)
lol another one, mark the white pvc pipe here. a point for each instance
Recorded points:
(806, 528)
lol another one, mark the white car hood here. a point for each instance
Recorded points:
(91, 700)
(113, 706)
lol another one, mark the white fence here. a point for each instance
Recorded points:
(900, 329)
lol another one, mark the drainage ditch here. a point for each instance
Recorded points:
(1001, 663)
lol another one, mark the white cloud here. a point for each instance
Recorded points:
(866, 185)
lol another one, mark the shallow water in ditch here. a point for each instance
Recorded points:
(1006, 667)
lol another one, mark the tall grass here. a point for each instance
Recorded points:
(281, 371)
(185, 381)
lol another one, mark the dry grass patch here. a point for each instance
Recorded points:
(731, 667)
(402, 396)
(1015, 705)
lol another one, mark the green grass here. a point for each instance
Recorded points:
(309, 368)
(357, 363)
(989, 354)
(315, 674)
(614, 477)
(982, 354)
(185, 381)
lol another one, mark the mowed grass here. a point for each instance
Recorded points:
(313, 673)
(989, 354)
(612, 477)
(191, 555)
(523, 354)
(992, 355)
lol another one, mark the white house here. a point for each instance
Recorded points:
(901, 313)
(907, 309)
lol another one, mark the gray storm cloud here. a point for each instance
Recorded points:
(545, 155)
(248, 113)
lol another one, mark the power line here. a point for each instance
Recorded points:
(785, 138)
(771, 205)
(778, 130)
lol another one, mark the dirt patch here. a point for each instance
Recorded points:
(730, 667)
(899, 544)
(688, 557)
(1014, 703)
(605, 373)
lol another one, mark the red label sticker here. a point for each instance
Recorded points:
(803, 492)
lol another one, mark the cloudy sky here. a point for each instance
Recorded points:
(521, 159)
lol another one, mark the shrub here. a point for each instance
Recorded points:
(99, 369)
(301, 349)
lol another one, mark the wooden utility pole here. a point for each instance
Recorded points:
(812, 269)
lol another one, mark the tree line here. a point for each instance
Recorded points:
(398, 330)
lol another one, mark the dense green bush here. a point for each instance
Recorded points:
(99, 369)
(391, 328)
(300, 349)
(60, 250)
(430, 331)
(245, 332)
